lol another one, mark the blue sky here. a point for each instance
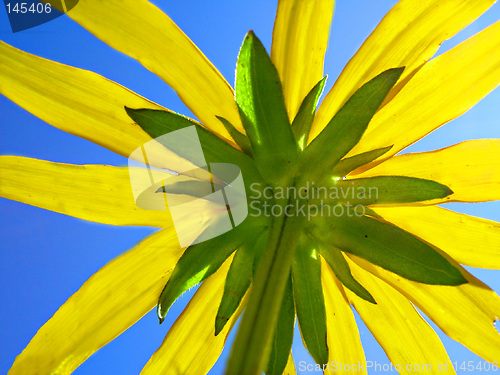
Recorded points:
(46, 256)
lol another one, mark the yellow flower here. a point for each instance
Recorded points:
(429, 93)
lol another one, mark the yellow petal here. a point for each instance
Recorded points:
(466, 313)
(405, 336)
(99, 193)
(470, 169)
(344, 344)
(442, 90)
(409, 35)
(111, 301)
(469, 240)
(74, 100)
(300, 37)
(290, 366)
(141, 30)
(191, 346)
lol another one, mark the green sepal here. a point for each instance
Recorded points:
(347, 165)
(302, 122)
(259, 247)
(260, 100)
(389, 247)
(200, 261)
(252, 345)
(345, 129)
(309, 300)
(238, 279)
(157, 123)
(240, 138)
(340, 268)
(390, 190)
(283, 335)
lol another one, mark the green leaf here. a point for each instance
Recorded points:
(283, 335)
(157, 123)
(238, 279)
(389, 247)
(340, 268)
(240, 138)
(345, 166)
(345, 129)
(200, 261)
(301, 125)
(309, 300)
(260, 100)
(389, 190)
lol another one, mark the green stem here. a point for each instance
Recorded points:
(252, 346)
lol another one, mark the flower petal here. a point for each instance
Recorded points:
(466, 313)
(300, 37)
(470, 169)
(99, 193)
(445, 88)
(409, 35)
(340, 323)
(74, 100)
(191, 345)
(141, 30)
(469, 240)
(404, 335)
(111, 301)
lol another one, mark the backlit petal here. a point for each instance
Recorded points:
(466, 312)
(99, 193)
(404, 335)
(77, 101)
(442, 90)
(469, 240)
(343, 340)
(409, 35)
(141, 30)
(111, 301)
(300, 37)
(470, 169)
(191, 346)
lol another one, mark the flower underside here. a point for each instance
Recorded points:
(320, 219)
(303, 208)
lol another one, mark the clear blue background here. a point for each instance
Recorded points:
(46, 256)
